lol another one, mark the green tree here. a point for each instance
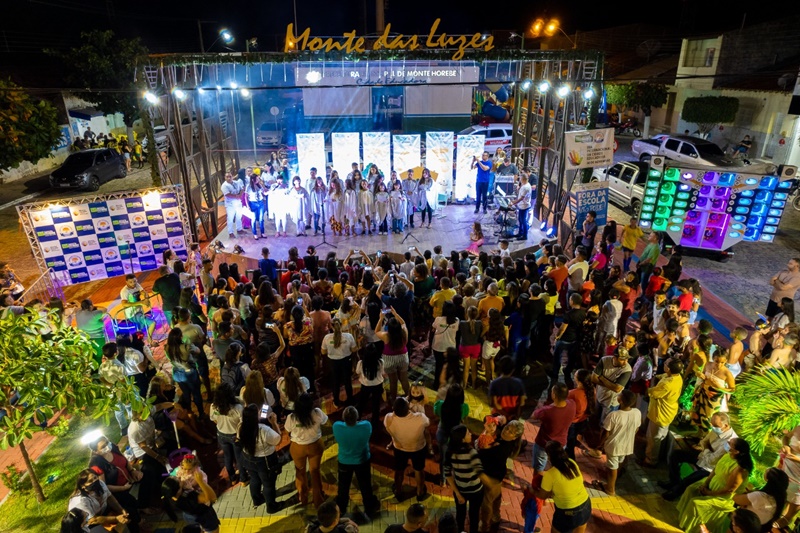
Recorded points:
(105, 66)
(770, 404)
(28, 127)
(638, 97)
(41, 375)
(710, 111)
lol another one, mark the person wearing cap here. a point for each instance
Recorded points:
(611, 375)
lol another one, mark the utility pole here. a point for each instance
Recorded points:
(200, 34)
(380, 16)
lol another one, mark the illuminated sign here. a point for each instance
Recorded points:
(350, 43)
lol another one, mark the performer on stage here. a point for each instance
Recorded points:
(233, 204)
(397, 206)
(484, 166)
(350, 206)
(335, 177)
(412, 196)
(319, 195)
(381, 207)
(365, 205)
(336, 205)
(374, 175)
(523, 205)
(280, 207)
(423, 196)
(256, 193)
(311, 182)
(298, 198)
(476, 238)
(356, 179)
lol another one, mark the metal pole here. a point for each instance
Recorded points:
(380, 20)
(252, 113)
(180, 153)
(200, 33)
(543, 143)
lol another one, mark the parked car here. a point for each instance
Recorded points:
(626, 181)
(268, 135)
(88, 169)
(685, 149)
(498, 136)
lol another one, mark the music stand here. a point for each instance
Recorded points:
(502, 203)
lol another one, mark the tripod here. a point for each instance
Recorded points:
(324, 240)
(409, 234)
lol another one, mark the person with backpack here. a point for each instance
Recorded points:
(234, 372)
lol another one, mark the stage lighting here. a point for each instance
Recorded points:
(245, 92)
(544, 86)
(150, 98)
(313, 76)
(226, 36)
(234, 85)
(563, 90)
(200, 90)
(551, 231)
(542, 226)
(588, 94)
(91, 436)
(219, 87)
(179, 93)
(526, 85)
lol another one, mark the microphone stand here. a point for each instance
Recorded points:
(324, 240)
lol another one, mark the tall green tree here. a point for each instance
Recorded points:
(40, 375)
(770, 404)
(105, 65)
(710, 111)
(28, 127)
(638, 96)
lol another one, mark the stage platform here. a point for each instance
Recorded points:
(450, 229)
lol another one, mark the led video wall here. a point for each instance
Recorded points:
(714, 209)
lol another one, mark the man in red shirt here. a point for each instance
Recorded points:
(686, 296)
(655, 284)
(555, 420)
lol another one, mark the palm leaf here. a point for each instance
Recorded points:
(770, 403)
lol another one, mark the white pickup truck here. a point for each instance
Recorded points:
(684, 149)
(626, 181)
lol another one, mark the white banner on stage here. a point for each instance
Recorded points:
(377, 150)
(439, 159)
(310, 153)
(468, 147)
(346, 147)
(405, 152)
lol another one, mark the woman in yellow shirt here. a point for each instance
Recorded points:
(630, 235)
(564, 483)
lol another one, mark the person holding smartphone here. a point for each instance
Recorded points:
(484, 168)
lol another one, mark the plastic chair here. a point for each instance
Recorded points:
(441, 198)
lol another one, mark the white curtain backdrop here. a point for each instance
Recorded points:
(377, 150)
(405, 152)
(439, 158)
(346, 147)
(310, 153)
(468, 146)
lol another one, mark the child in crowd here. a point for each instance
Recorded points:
(619, 431)
(476, 238)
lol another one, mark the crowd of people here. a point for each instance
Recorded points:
(622, 343)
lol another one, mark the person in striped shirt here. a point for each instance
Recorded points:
(464, 473)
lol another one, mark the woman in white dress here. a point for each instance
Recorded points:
(381, 210)
(298, 198)
(365, 201)
(336, 204)
(397, 206)
(350, 207)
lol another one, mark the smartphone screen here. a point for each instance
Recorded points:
(356, 251)
(299, 301)
(378, 253)
(264, 410)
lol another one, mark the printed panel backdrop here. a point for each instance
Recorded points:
(439, 158)
(346, 148)
(310, 153)
(96, 240)
(406, 152)
(469, 147)
(377, 150)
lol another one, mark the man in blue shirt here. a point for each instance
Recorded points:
(352, 435)
(484, 167)
(268, 267)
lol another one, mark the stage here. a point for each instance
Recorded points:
(451, 228)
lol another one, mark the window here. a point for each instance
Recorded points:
(627, 175)
(614, 171)
(495, 134)
(699, 53)
(672, 144)
(641, 179)
(101, 157)
(688, 149)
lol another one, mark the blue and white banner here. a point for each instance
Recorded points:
(591, 196)
(96, 240)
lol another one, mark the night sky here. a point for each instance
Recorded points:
(29, 26)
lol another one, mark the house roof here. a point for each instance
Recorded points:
(764, 79)
(662, 70)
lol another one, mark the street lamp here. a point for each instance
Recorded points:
(548, 29)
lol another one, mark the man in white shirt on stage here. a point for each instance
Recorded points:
(523, 205)
(233, 204)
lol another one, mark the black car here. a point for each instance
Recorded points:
(88, 169)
